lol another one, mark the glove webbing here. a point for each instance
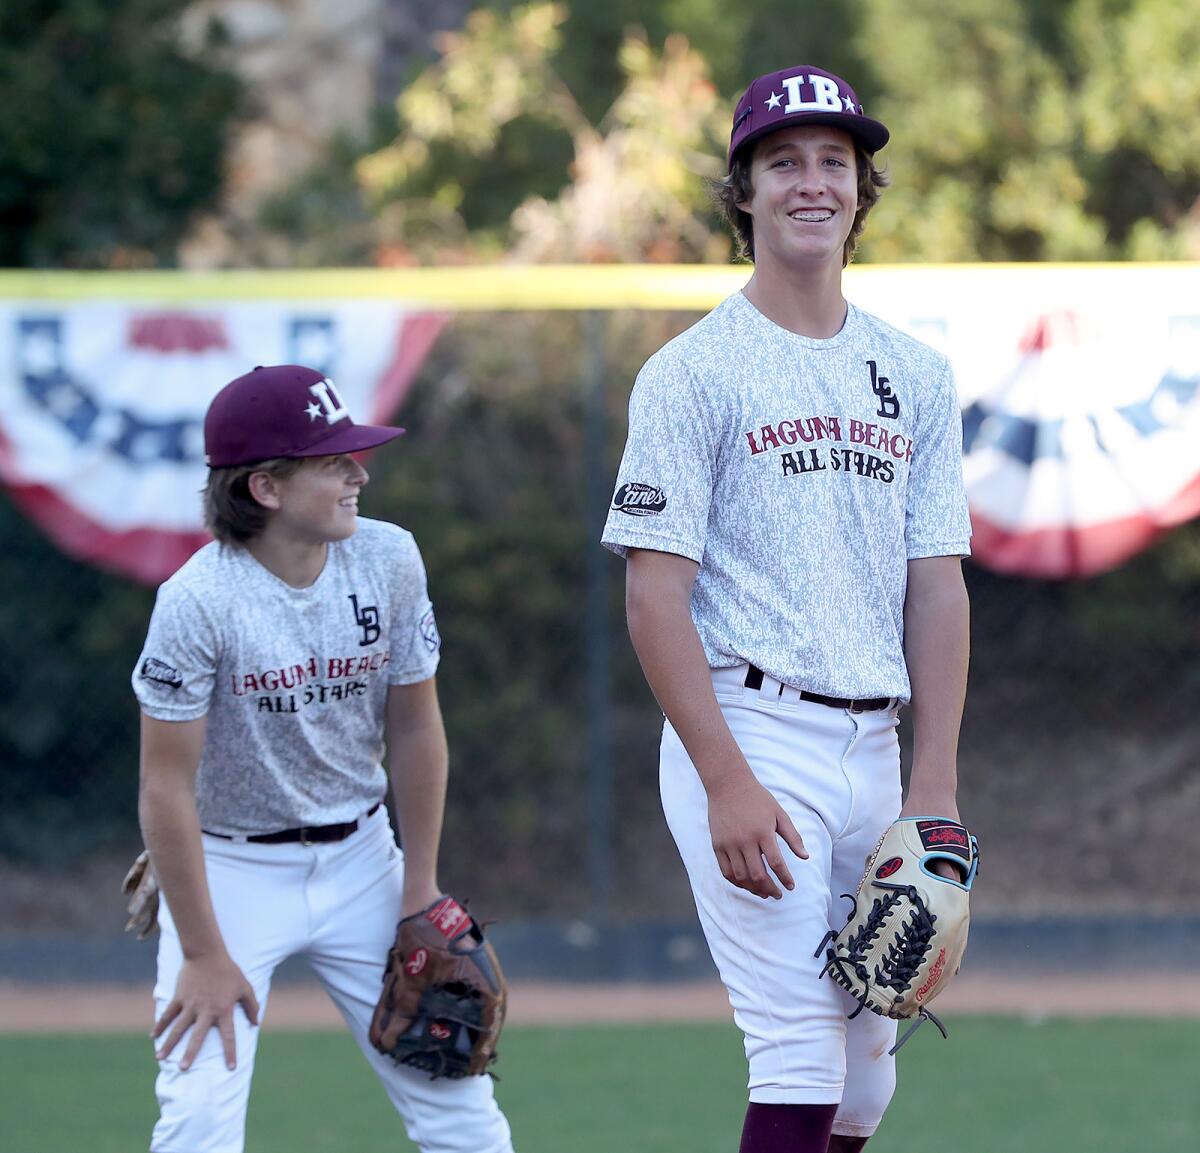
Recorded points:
(903, 960)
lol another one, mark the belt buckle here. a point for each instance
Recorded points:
(856, 707)
(304, 838)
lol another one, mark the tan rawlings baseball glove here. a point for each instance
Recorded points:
(907, 930)
(444, 995)
(141, 887)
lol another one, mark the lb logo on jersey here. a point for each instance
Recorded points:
(367, 619)
(889, 402)
(165, 674)
(888, 868)
(416, 962)
(637, 499)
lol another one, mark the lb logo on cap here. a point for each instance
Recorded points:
(802, 95)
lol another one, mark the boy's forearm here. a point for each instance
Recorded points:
(937, 649)
(419, 769)
(171, 832)
(672, 657)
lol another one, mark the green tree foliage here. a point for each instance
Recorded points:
(458, 201)
(634, 192)
(68, 721)
(111, 134)
(1139, 90)
(1027, 131)
(1021, 130)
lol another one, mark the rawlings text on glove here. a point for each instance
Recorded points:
(907, 929)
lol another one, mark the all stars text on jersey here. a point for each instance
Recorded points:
(839, 460)
(318, 694)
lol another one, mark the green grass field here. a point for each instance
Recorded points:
(999, 1085)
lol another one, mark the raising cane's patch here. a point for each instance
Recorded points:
(637, 499)
(156, 670)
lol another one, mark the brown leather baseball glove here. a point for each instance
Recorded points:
(907, 930)
(444, 995)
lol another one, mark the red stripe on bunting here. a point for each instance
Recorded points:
(415, 338)
(1072, 552)
(147, 555)
(152, 555)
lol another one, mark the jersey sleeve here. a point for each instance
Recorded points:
(416, 645)
(936, 521)
(665, 480)
(176, 671)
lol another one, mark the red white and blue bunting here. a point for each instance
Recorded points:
(102, 407)
(1080, 389)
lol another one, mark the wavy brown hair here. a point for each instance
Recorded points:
(231, 513)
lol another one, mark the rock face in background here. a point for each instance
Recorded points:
(314, 68)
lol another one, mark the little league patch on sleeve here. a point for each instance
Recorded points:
(156, 670)
(429, 632)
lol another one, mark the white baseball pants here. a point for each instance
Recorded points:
(837, 775)
(337, 905)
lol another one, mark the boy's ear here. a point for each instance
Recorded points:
(264, 489)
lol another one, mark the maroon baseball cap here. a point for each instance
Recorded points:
(802, 95)
(285, 410)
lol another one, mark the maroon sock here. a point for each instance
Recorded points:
(786, 1128)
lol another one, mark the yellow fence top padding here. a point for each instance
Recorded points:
(527, 287)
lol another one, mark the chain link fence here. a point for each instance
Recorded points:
(1080, 748)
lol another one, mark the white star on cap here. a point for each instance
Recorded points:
(848, 103)
(313, 410)
(775, 101)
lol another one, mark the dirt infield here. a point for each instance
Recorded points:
(121, 1008)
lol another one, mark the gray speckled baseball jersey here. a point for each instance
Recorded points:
(802, 475)
(293, 681)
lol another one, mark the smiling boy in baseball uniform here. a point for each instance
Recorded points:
(280, 660)
(791, 506)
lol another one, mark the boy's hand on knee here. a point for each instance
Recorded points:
(207, 992)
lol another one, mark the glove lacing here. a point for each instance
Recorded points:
(904, 955)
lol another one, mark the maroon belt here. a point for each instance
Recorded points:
(306, 834)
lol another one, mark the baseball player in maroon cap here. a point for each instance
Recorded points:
(279, 661)
(790, 503)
